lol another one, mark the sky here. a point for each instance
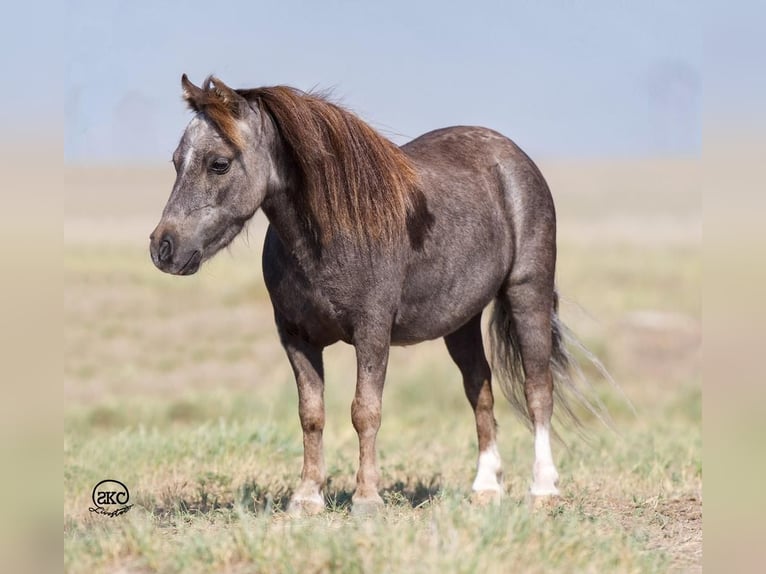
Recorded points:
(561, 78)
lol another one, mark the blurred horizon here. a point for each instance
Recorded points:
(563, 80)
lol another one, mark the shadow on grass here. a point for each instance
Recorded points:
(215, 497)
(412, 495)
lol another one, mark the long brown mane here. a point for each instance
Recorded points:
(354, 182)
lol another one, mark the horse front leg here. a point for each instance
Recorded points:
(372, 360)
(306, 361)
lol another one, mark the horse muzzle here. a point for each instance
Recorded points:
(169, 255)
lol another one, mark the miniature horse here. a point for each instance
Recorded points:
(378, 245)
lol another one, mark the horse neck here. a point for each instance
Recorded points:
(279, 207)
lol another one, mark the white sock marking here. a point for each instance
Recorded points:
(489, 471)
(544, 472)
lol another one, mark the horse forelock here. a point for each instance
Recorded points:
(211, 102)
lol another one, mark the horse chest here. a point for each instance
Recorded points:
(309, 309)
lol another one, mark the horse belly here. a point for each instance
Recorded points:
(432, 309)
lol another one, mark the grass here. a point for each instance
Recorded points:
(178, 388)
(210, 494)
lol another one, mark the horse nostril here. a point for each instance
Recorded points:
(166, 250)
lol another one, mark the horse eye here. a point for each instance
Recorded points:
(220, 165)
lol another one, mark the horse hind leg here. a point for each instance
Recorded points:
(531, 304)
(466, 348)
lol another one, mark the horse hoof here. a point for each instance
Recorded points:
(544, 502)
(486, 497)
(305, 507)
(543, 491)
(366, 506)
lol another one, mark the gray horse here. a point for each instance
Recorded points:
(378, 245)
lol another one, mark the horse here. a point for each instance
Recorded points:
(377, 245)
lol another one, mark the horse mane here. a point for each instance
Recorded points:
(353, 182)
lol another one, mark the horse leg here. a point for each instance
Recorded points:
(372, 359)
(531, 304)
(466, 348)
(306, 361)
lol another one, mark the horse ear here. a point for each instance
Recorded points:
(193, 95)
(230, 98)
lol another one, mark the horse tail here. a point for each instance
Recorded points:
(571, 389)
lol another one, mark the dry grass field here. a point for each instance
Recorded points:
(179, 388)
